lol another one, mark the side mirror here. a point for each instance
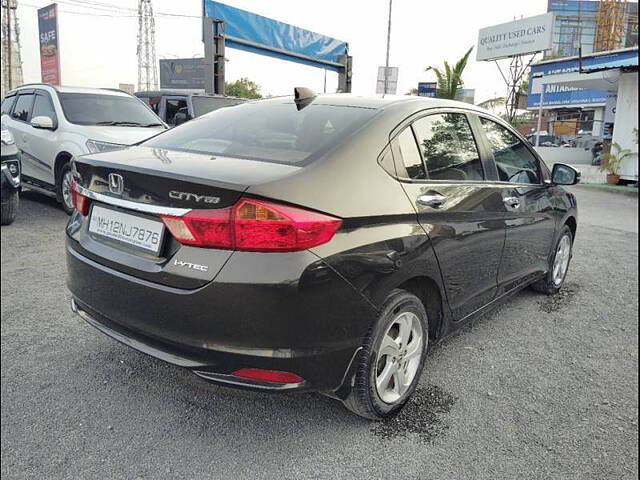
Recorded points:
(43, 122)
(181, 116)
(563, 174)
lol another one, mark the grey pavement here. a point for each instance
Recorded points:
(541, 388)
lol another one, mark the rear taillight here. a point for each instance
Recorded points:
(80, 202)
(254, 226)
(271, 376)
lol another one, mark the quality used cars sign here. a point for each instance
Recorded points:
(529, 35)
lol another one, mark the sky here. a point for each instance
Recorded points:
(98, 46)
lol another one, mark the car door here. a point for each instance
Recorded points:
(21, 129)
(443, 173)
(43, 143)
(530, 216)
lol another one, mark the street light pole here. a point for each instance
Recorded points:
(386, 70)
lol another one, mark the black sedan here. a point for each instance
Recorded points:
(315, 242)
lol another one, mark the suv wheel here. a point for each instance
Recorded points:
(64, 188)
(10, 208)
(554, 279)
(392, 358)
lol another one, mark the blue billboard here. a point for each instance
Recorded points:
(427, 89)
(257, 34)
(562, 95)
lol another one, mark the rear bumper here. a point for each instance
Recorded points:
(308, 327)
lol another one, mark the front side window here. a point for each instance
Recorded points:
(42, 107)
(7, 103)
(23, 107)
(448, 147)
(97, 109)
(174, 105)
(266, 130)
(514, 161)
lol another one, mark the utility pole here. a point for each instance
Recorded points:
(386, 64)
(11, 59)
(147, 65)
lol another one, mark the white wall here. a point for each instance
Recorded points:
(626, 120)
(572, 156)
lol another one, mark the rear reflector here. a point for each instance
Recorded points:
(253, 226)
(79, 201)
(271, 376)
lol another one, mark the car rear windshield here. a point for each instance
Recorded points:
(203, 105)
(96, 109)
(275, 132)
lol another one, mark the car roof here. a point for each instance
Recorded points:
(379, 101)
(181, 93)
(67, 89)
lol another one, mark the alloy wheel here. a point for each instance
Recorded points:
(561, 262)
(399, 357)
(65, 188)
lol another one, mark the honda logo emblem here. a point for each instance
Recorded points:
(116, 183)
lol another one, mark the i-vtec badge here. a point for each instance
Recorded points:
(193, 197)
(192, 266)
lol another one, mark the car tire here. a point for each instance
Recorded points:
(387, 375)
(552, 282)
(63, 188)
(10, 208)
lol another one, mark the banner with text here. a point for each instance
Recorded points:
(49, 52)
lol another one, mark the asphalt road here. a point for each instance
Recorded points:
(541, 388)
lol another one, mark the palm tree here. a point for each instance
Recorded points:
(450, 80)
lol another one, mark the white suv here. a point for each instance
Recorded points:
(51, 124)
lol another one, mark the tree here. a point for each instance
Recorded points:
(243, 88)
(412, 91)
(450, 79)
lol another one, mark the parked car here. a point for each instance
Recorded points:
(51, 124)
(317, 242)
(10, 174)
(176, 107)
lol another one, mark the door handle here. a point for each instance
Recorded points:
(24, 137)
(513, 202)
(433, 200)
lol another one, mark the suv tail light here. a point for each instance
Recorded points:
(253, 226)
(79, 201)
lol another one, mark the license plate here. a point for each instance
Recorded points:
(129, 229)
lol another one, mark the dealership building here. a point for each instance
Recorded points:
(592, 94)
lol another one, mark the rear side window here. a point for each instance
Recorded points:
(514, 160)
(266, 130)
(411, 165)
(23, 107)
(203, 105)
(153, 102)
(448, 147)
(7, 103)
(43, 107)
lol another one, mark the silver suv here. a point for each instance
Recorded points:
(51, 125)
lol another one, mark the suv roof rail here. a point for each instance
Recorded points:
(115, 90)
(33, 84)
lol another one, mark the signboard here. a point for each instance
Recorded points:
(127, 87)
(184, 73)
(427, 89)
(391, 81)
(529, 35)
(562, 95)
(49, 52)
(467, 95)
(257, 34)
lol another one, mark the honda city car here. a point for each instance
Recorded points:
(315, 242)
